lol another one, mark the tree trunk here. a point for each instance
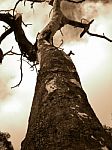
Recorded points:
(61, 117)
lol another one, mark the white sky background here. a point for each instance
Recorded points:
(93, 59)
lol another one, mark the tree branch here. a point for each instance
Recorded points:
(38, 1)
(27, 49)
(7, 18)
(6, 33)
(100, 36)
(80, 1)
(16, 6)
(21, 73)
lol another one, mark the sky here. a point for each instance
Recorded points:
(93, 59)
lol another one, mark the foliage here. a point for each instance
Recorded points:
(5, 144)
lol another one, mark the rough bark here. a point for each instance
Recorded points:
(61, 117)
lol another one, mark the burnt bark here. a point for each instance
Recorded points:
(61, 117)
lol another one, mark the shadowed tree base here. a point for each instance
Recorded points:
(61, 117)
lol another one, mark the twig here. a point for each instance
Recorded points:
(16, 6)
(61, 43)
(75, 1)
(21, 74)
(7, 10)
(8, 52)
(6, 28)
(31, 66)
(24, 2)
(50, 12)
(34, 65)
(11, 52)
(70, 53)
(32, 5)
(7, 32)
(100, 36)
(26, 24)
(61, 32)
(1, 56)
(36, 68)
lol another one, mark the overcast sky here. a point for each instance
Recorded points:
(93, 60)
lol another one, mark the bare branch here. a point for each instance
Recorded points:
(7, 18)
(21, 74)
(27, 63)
(75, 1)
(50, 2)
(6, 28)
(100, 36)
(61, 43)
(25, 2)
(61, 32)
(6, 10)
(7, 53)
(1, 56)
(70, 53)
(10, 53)
(50, 12)
(38, 1)
(26, 25)
(6, 33)
(86, 28)
(16, 6)
(26, 47)
(31, 66)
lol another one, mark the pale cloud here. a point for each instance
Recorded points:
(4, 90)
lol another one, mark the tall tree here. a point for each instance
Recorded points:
(61, 117)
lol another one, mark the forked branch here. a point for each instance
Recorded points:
(26, 47)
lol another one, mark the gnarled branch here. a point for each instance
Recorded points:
(15, 22)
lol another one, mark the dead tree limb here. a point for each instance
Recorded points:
(16, 6)
(6, 33)
(20, 74)
(100, 36)
(26, 47)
